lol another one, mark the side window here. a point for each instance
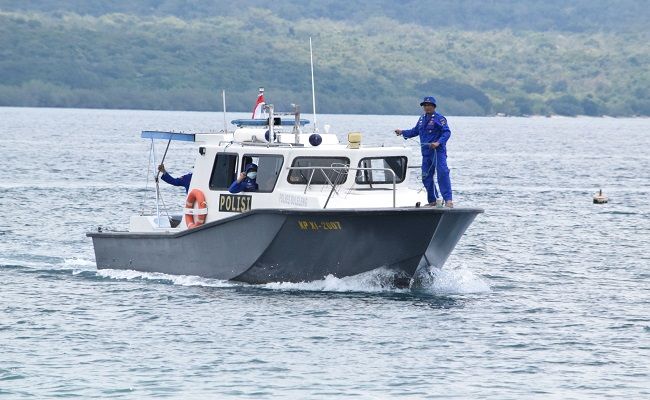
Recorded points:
(268, 170)
(378, 173)
(224, 171)
(310, 169)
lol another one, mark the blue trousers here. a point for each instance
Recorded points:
(428, 171)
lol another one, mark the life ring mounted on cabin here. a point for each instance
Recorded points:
(195, 197)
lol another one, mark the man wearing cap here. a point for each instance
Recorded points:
(246, 182)
(434, 133)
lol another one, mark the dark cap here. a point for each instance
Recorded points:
(428, 100)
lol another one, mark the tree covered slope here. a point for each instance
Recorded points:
(478, 58)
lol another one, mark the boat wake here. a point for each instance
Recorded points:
(429, 280)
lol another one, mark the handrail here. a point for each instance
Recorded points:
(348, 168)
(259, 144)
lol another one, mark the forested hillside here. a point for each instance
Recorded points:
(478, 58)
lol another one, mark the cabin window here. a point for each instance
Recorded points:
(224, 171)
(268, 169)
(311, 170)
(397, 164)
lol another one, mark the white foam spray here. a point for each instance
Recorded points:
(449, 281)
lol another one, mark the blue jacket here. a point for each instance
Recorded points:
(182, 181)
(247, 185)
(436, 130)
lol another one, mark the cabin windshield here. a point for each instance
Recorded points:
(379, 174)
(319, 170)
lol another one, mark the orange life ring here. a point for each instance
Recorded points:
(195, 196)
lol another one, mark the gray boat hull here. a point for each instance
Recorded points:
(263, 246)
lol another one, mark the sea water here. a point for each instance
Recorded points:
(546, 295)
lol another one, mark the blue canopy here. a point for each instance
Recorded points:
(183, 137)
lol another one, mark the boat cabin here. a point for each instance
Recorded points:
(295, 170)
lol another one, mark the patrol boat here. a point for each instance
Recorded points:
(322, 208)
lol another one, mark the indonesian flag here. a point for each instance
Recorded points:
(259, 105)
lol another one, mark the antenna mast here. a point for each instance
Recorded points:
(313, 90)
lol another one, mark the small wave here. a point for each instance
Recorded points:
(50, 263)
(78, 265)
(622, 212)
(78, 262)
(181, 280)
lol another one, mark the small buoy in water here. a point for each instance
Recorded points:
(600, 198)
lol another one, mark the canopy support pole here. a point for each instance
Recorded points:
(153, 151)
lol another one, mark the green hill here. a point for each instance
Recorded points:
(369, 58)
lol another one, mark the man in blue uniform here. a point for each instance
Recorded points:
(182, 181)
(434, 133)
(246, 180)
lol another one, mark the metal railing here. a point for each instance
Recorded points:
(346, 169)
(259, 144)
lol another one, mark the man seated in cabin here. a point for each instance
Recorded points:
(246, 180)
(182, 181)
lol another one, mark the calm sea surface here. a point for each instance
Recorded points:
(546, 295)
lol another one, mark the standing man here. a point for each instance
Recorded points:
(183, 181)
(434, 133)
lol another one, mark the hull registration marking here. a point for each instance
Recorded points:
(319, 225)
